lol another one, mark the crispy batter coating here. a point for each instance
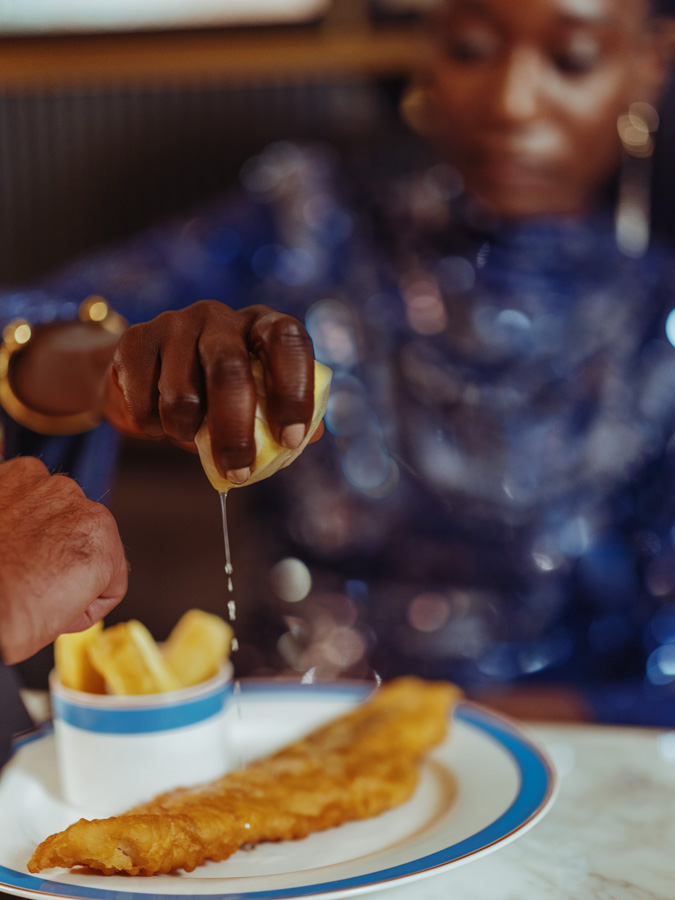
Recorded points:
(356, 766)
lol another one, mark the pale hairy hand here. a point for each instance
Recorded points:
(171, 372)
(62, 563)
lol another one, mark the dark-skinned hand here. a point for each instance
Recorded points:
(171, 372)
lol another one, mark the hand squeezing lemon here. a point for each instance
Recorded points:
(270, 456)
(124, 659)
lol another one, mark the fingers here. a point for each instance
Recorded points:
(171, 372)
(97, 579)
(112, 593)
(157, 386)
(86, 619)
(287, 354)
(132, 399)
(182, 394)
(285, 350)
(63, 561)
(231, 402)
(113, 575)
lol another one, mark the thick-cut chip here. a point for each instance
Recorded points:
(270, 456)
(72, 663)
(198, 646)
(355, 767)
(130, 661)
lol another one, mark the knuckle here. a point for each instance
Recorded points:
(285, 327)
(227, 370)
(105, 518)
(29, 467)
(207, 306)
(291, 336)
(170, 320)
(99, 529)
(195, 317)
(269, 327)
(180, 415)
(68, 488)
(130, 343)
(180, 403)
(237, 445)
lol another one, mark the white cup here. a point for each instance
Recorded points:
(115, 752)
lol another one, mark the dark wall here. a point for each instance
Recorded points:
(82, 168)
(663, 189)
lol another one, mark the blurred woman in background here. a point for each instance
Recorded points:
(495, 504)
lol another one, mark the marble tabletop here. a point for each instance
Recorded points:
(609, 835)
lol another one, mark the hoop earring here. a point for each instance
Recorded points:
(632, 221)
(416, 109)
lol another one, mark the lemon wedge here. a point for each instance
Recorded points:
(72, 663)
(270, 456)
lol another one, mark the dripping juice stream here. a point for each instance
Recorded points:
(231, 603)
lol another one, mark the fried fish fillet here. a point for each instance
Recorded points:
(356, 766)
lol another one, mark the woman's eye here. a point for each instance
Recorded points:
(470, 48)
(577, 60)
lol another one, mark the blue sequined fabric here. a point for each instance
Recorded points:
(494, 502)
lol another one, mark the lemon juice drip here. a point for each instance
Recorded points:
(231, 604)
(237, 699)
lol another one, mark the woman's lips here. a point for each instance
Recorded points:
(510, 169)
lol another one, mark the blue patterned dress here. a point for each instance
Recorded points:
(495, 499)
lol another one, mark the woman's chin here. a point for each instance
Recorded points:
(523, 199)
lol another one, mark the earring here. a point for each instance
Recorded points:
(633, 210)
(416, 109)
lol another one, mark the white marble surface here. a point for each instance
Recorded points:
(610, 835)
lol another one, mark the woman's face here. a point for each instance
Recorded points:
(527, 94)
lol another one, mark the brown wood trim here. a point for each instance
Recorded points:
(203, 56)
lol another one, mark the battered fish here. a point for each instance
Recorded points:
(356, 766)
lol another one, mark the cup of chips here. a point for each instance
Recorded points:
(134, 718)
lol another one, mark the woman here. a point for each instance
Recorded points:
(526, 101)
(493, 506)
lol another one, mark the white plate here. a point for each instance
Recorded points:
(505, 784)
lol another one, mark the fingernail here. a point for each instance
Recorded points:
(293, 435)
(238, 476)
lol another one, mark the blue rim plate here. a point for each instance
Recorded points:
(504, 783)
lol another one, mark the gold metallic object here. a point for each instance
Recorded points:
(96, 309)
(417, 109)
(632, 219)
(15, 336)
(636, 128)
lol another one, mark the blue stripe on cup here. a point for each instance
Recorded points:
(143, 719)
